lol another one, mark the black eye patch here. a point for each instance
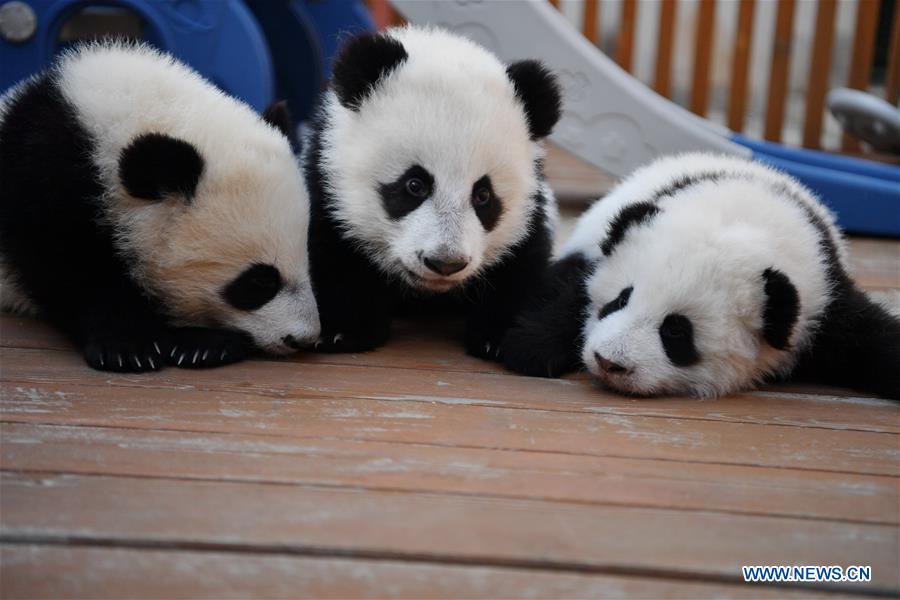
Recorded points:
(253, 288)
(487, 205)
(620, 302)
(677, 335)
(407, 192)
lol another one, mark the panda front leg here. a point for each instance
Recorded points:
(354, 320)
(546, 339)
(118, 329)
(121, 330)
(495, 299)
(489, 316)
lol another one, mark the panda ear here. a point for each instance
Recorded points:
(361, 63)
(155, 165)
(537, 88)
(278, 116)
(781, 309)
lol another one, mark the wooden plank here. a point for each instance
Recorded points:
(873, 262)
(589, 25)
(861, 58)
(366, 523)
(50, 372)
(533, 475)
(778, 78)
(819, 71)
(704, 38)
(662, 77)
(625, 43)
(892, 75)
(738, 92)
(447, 420)
(32, 571)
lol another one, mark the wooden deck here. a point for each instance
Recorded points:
(416, 471)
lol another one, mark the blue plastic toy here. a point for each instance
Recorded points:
(254, 49)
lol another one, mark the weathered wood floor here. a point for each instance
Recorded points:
(417, 471)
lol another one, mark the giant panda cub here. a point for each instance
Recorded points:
(704, 275)
(150, 217)
(425, 174)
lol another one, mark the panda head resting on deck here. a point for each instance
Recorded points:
(704, 275)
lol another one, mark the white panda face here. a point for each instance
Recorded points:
(433, 163)
(686, 323)
(637, 345)
(434, 215)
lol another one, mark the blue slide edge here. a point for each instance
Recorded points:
(864, 196)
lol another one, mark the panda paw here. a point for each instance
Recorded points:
(484, 344)
(127, 355)
(202, 348)
(358, 341)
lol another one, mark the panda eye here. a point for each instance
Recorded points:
(481, 196)
(253, 288)
(673, 330)
(677, 335)
(620, 302)
(416, 187)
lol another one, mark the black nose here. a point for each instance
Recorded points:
(446, 266)
(608, 366)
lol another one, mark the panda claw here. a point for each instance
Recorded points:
(196, 354)
(102, 362)
(172, 353)
(152, 364)
(120, 360)
(138, 362)
(337, 338)
(180, 360)
(205, 354)
(223, 355)
(487, 348)
(156, 347)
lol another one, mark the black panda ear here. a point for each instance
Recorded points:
(781, 309)
(537, 88)
(278, 116)
(361, 63)
(155, 165)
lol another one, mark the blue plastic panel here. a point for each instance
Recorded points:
(219, 38)
(864, 195)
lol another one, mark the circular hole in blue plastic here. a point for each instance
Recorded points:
(102, 20)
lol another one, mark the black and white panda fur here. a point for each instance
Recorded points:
(424, 167)
(149, 216)
(704, 275)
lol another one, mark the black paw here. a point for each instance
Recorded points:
(355, 341)
(484, 344)
(530, 352)
(201, 348)
(135, 354)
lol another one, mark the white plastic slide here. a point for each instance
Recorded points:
(610, 119)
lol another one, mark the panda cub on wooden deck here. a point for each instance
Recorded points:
(149, 216)
(705, 275)
(425, 174)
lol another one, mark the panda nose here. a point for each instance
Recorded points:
(446, 266)
(607, 365)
